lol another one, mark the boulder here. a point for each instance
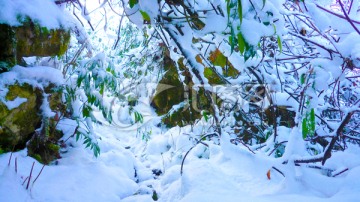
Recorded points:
(30, 39)
(19, 123)
(171, 91)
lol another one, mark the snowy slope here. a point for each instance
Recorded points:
(124, 172)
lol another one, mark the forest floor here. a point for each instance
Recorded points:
(145, 164)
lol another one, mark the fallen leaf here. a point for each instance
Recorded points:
(268, 175)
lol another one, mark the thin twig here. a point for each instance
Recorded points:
(38, 175)
(25, 180)
(279, 171)
(277, 145)
(32, 167)
(348, 18)
(10, 158)
(16, 165)
(341, 172)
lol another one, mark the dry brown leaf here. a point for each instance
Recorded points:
(268, 175)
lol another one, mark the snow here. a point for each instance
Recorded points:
(124, 172)
(15, 103)
(46, 12)
(139, 161)
(38, 76)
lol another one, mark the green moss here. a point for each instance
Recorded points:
(37, 157)
(19, 123)
(30, 39)
(44, 149)
(55, 98)
(24, 91)
(53, 147)
(33, 40)
(7, 47)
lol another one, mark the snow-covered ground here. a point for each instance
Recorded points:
(130, 160)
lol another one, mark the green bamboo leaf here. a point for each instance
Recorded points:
(302, 78)
(86, 111)
(77, 135)
(102, 88)
(231, 44)
(228, 8)
(206, 115)
(305, 128)
(241, 43)
(264, 1)
(132, 3)
(279, 43)
(312, 121)
(274, 28)
(240, 11)
(145, 16)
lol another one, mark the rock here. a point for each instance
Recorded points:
(18, 125)
(30, 39)
(286, 115)
(171, 91)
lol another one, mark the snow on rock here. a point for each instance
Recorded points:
(46, 12)
(15, 103)
(40, 76)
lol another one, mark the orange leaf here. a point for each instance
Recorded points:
(268, 175)
(198, 59)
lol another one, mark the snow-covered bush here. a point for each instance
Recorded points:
(262, 66)
(296, 68)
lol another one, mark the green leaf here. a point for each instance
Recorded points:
(250, 52)
(86, 111)
(138, 117)
(228, 8)
(145, 16)
(231, 41)
(274, 28)
(240, 11)
(206, 115)
(302, 78)
(241, 43)
(279, 43)
(79, 80)
(308, 124)
(102, 87)
(305, 128)
(132, 3)
(264, 1)
(312, 121)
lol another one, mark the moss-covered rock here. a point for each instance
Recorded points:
(286, 115)
(18, 125)
(30, 39)
(7, 47)
(171, 91)
(43, 146)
